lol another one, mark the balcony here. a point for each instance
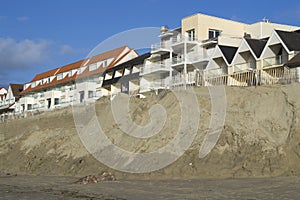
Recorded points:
(275, 61)
(156, 84)
(209, 42)
(213, 73)
(156, 68)
(160, 48)
(180, 79)
(197, 58)
(191, 58)
(178, 42)
(178, 60)
(244, 67)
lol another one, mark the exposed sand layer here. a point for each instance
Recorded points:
(260, 138)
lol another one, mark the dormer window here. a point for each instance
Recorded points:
(33, 84)
(212, 33)
(59, 76)
(93, 67)
(105, 63)
(80, 70)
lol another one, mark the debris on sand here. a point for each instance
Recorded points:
(104, 176)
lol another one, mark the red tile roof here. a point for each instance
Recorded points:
(71, 66)
(109, 54)
(45, 75)
(115, 54)
(100, 70)
(16, 89)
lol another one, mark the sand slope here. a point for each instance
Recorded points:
(260, 138)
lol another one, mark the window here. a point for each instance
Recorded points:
(81, 96)
(70, 73)
(56, 101)
(93, 67)
(91, 94)
(213, 33)
(33, 84)
(125, 87)
(105, 63)
(81, 70)
(191, 34)
(59, 76)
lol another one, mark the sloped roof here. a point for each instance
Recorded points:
(290, 39)
(294, 62)
(135, 61)
(107, 55)
(228, 52)
(110, 54)
(16, 89)
(70, 66)
(115, 54)
(45, 74)
(257, 46)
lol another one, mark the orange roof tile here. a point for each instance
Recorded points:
(110, 54)
(71, 66)
(113, 54)
(45, 74)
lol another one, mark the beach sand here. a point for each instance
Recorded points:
(256, 157)
(39, 187)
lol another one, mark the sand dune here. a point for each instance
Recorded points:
(260, 138)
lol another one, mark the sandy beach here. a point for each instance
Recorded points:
(38, 187)
(256, 157)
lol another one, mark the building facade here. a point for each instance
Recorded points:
(206, 48)
(204, 51)
(77, 82)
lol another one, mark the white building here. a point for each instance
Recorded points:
(204, 46)
(255, 61)
(8, 104)
(74, 83)
(3, 93)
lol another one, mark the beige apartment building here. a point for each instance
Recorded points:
(205, 47)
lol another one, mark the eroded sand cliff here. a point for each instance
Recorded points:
(260, 138)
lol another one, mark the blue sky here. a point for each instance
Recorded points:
(38, 35)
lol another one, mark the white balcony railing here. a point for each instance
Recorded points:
(276, 60)
(181, 79)
(212, 73)
(248, 66)
(161, 46)
(156, 84)
(193, 57)
(182, 39)
(155, 67)
(177, 60)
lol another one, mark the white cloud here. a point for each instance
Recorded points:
(23, 18)
(66, 49)
(22, 54)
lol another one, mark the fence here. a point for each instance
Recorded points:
(280, 75)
